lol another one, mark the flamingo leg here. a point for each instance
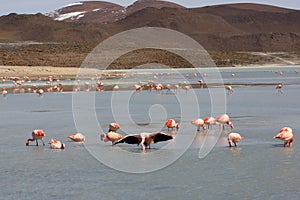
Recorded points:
(37, 144)
(43, 142)
(229, 142)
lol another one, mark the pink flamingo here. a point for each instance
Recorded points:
(201, 83)
(55, 144)
(37, 134)
(229, 89)
(234, 138)
(159, 88)
(4, 92)
(138, 87)
(77, 137)
(40, 92)
(171, 123)
(111, 136)
(279, 88)
(224, 119)
(285, 134)
(113, 127)
(144, 139)
(116, 87)
(209, 121)
(186, 88)
(199, 123)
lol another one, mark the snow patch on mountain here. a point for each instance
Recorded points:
(72, 15)
(74, 4)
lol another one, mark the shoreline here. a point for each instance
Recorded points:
(35, 72)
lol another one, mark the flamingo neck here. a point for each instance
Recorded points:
(29, 140)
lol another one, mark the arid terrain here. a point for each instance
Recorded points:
(234, 35)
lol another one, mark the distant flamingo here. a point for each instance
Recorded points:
(209, 121)
(279, 88)
(116, 87)
(40, 92)
(158, 88)
(186, 88)
(55, 144)
(199, 123)
(171, 123)
(285, 134)
(111, 136)
(4, 92)
(224, 119)
(77, 137)
(201, 83)
(234, 138)
(37, 134)
(229, 89)
(113, 127)
(144, 139)
(138, 87)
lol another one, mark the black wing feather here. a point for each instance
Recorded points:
(129, 139)
(159, 137)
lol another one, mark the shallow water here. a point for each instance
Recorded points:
(258, 168)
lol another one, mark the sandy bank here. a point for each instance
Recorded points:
(38, 71)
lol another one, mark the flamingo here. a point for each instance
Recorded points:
(4, 92)
(285, 134)
(116, 87)
(40, 92)
(234, 138)
(37, 134)
(224, 119)
(144, 139)
(55, 144)
(113, 127)
(171, 123)
(201, 83)
(279, 88)
(229, 89)
(209, 121)
(77, 137)
(158, 88)
(186, 88)
(138, 87)
(199, 123)
(111, 136)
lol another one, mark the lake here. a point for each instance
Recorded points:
(182, 168)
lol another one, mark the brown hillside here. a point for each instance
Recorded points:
(222, 28)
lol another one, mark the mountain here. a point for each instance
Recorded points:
(104, 12)
(226, 31)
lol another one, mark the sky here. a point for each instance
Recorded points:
(45, 6)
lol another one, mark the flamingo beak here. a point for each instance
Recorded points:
(102, 136)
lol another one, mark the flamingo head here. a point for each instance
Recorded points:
(51, 141)
(102, 136)
(177, 126)
(27, 142)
